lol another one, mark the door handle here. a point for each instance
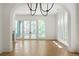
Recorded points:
(30, 32)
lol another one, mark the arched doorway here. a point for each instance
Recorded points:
(64, 34)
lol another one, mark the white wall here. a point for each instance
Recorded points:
(71, 7)
(6, 28)
(77, 26)
(50, 23)
(0, 27)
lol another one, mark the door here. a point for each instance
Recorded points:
(30, 29)
(26, 29)
(33, 29)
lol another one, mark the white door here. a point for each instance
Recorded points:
(30, 29)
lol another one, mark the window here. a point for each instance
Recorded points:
(41, 29)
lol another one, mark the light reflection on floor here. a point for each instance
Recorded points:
(57, 44)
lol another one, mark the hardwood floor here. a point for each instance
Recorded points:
(38, 48)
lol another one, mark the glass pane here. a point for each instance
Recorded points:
(21, 30)
(41, 29)
(33, 29)
(17, 28)
(26, 29)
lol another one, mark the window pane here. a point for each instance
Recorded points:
(33, 29)
(41, 29)
(17, 28)
(26, 29)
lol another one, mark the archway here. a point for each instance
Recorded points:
(59, 9)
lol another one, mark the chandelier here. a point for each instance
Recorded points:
(43, 12)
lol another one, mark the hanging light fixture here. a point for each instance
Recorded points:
(32, 10)
(41, 9)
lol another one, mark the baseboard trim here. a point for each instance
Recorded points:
(6, 52)
(73, 52)
(69, 50)
(0, 52)
(40, 39)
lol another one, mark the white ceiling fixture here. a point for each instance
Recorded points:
(43, 11)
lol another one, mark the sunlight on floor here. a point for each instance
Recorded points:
(59, 46)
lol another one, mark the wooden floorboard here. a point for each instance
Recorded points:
(37, 48)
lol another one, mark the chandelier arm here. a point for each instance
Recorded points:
(42, 12)
(41, 9)
(46, 10)
(31, 8)
(31, 11)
